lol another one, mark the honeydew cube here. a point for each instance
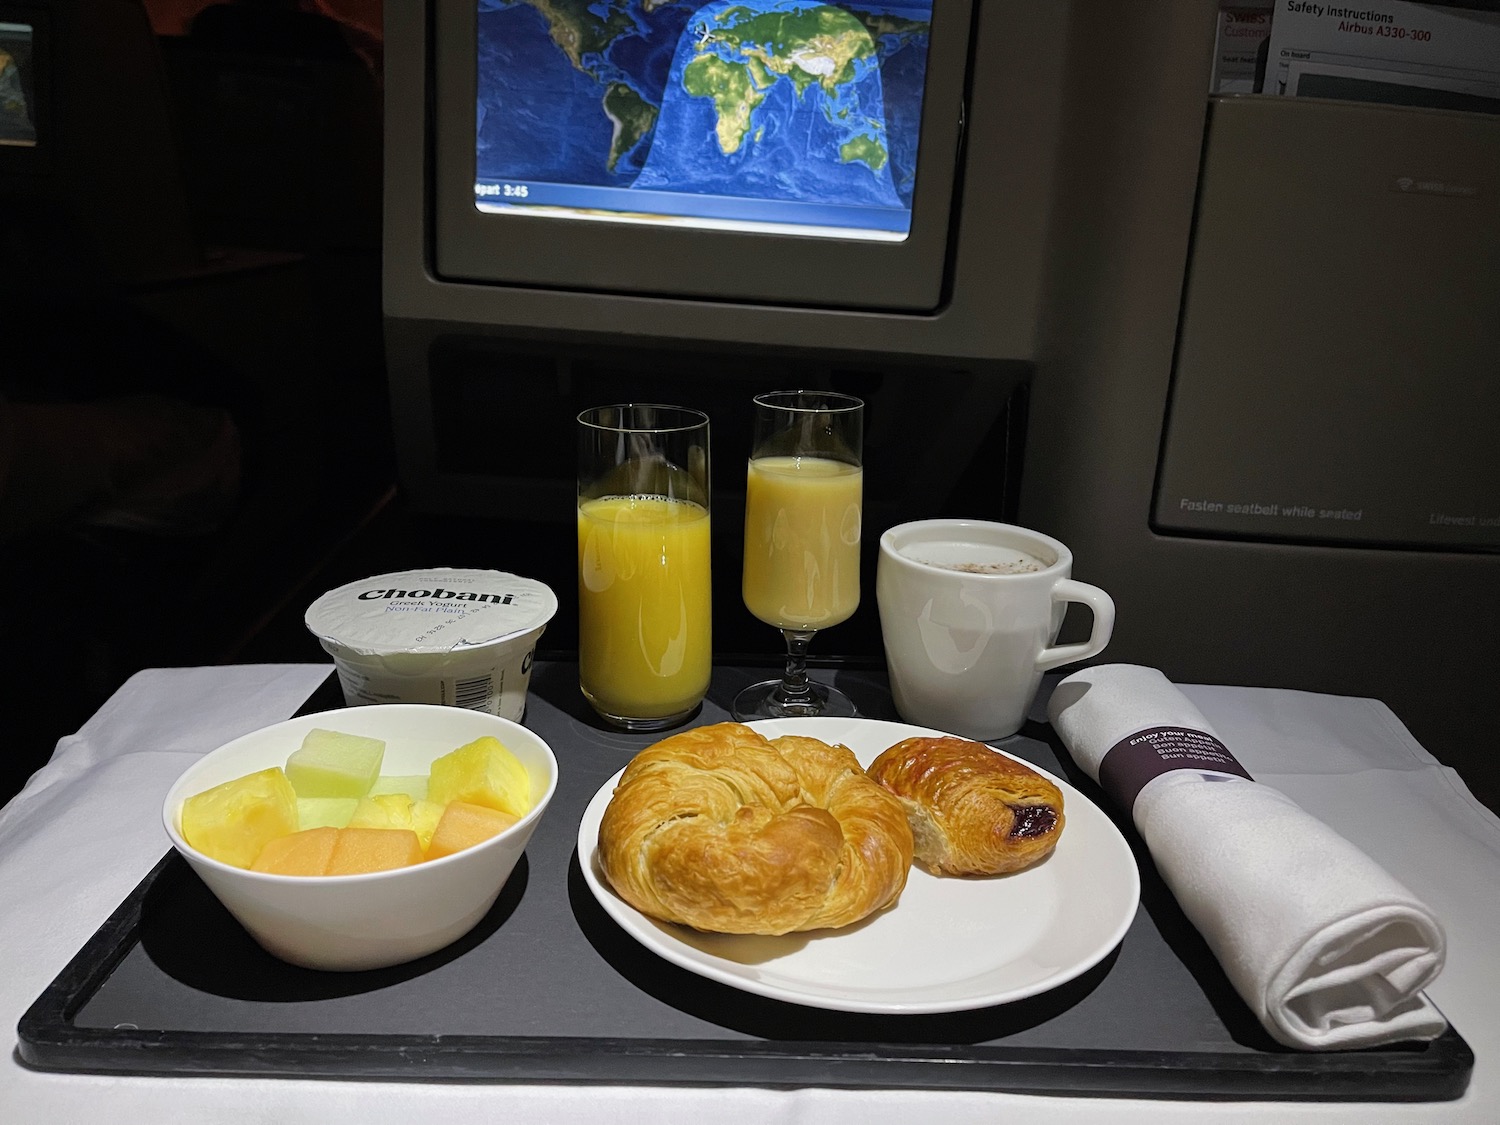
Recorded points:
(482, 772)
(325, 812)
(332, 764)
(463, 825)
(232, 822)
(359, 850)
(302, 853)
(413, 785)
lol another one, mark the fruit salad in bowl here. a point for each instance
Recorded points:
(363, 837)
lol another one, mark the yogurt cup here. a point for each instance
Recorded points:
(458, 638)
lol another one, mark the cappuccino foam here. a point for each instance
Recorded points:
(974, 558)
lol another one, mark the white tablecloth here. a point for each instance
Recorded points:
(87, 828)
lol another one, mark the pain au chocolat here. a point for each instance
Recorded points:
(972, 810)
(726, 831)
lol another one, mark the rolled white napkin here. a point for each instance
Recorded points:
(1326, 948)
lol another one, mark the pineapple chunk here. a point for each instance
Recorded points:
(397, 810)
(358, 850)
(389, 810)
(302, 853)
(325, 812)
(424, 820)
(232, 822)
(482, 772)
(413, 785)
(331, 764)
(464, 825)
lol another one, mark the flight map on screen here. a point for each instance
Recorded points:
(787, 115)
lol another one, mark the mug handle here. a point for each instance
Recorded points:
(1103, 606)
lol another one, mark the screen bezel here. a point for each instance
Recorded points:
(564, 253)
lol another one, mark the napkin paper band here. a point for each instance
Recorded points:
(1140, 758)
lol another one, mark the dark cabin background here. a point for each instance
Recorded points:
(195, 411)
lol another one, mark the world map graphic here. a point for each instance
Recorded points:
(788, 100)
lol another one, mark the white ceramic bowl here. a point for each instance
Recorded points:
(350, 922)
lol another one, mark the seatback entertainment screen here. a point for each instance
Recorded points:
(790, 116)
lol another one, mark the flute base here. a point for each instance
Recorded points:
(770, 699)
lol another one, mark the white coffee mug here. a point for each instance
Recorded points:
(969, 613)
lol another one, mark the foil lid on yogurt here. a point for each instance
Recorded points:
(435, 610)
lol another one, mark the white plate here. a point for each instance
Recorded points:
(949, 944)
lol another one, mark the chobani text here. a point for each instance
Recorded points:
(439, 594)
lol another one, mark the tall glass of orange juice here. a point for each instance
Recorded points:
(645, 642)
(803, 495)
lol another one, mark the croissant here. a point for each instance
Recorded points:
(724, 830)
(973, 811)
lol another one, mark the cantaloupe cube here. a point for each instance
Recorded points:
(232, 822)
(463, 825)
(413, 785)
(482, 772)
(302, 853)
(358, 850)
(332, 764)
(325, 812)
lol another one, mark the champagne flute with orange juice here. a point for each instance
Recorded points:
(644, 623)
(802, 530)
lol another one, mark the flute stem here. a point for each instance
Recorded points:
(795, 691)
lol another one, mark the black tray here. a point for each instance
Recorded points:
(547, 988)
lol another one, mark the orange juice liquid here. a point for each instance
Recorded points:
(644, 622)
(802, 526)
